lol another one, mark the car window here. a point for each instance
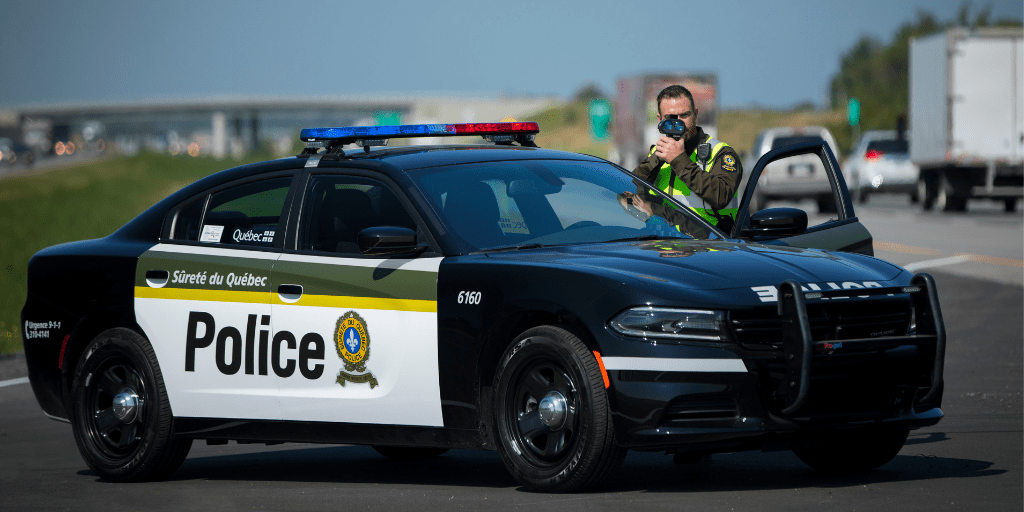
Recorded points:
(337, 208)
(247, 215)
(889, 146)
(500, 204)
(794, 139)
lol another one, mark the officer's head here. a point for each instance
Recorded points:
(678, 101)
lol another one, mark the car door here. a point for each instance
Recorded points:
(834, 226)
(202, 298)
(356, 335)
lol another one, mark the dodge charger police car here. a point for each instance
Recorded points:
(494, 296)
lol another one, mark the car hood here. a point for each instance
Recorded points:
(716, 265)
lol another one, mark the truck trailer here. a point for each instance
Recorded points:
(967, 116)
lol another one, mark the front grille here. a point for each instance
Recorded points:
(847, 381)
(841, 319)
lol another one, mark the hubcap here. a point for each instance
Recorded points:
(553, 410)
(126, 405)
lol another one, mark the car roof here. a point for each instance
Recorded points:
(794, 130)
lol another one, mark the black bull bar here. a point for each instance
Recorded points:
(798, 345)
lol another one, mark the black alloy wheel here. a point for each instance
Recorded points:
(552, 415)
(119, 410)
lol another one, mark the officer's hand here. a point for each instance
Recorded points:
(668, 148)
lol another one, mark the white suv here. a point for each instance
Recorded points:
(881, 163)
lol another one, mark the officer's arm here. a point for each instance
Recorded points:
(716, 187)
(647, 169)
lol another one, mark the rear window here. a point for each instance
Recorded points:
(796, 139)
(889, 146)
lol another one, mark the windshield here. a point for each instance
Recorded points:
(497, 205)
(889, 146)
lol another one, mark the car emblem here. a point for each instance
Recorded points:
(353, 343)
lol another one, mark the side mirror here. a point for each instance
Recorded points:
(388, 240)
(775, 222)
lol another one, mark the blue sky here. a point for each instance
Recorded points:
(775, 54)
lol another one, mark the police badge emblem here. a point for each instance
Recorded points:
(352, 341)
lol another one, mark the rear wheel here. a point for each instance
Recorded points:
(1010, 205)
(852, 452)
(119, 411)
(552, 415)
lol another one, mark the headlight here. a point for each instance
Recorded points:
(669, 323)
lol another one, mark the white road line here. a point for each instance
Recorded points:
(12, 382)
(952, 260)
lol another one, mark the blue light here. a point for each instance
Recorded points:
(376, 132)
(417, 130)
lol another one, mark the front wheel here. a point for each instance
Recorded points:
(852, 452)
(120, 413)
(552, 415)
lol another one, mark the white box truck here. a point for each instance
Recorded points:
(967, 116)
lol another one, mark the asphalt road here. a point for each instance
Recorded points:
(971, 460)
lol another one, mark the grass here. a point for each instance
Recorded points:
(78, 203)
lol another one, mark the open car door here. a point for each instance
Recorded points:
(784, 179)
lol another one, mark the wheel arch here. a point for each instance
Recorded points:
(497, 340)
(86, 330)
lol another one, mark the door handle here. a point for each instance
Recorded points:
(157, 278)
(289, 292)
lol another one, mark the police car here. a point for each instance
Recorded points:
(496, 296)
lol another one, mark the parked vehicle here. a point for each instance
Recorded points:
(881, 164)
(512, 298)
(967, 116)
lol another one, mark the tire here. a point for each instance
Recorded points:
(1010, 205)
(409, 453)
(133, 441)
(561, 451)
(846, 453)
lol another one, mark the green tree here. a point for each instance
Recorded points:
(877, 74)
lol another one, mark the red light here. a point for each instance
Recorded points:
(873, 154)
(493, 128)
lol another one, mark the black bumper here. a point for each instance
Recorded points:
(812, 382)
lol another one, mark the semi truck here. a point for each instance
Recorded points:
(635, 115)
(967, 116)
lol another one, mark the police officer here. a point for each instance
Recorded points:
(697, 170)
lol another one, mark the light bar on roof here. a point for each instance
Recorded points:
(350, 134)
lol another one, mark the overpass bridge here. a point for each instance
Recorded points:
(220, 126)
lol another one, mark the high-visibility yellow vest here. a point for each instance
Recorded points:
(681, 192)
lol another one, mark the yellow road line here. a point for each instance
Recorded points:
(908, 249)
(905, 249)
(1006, 262)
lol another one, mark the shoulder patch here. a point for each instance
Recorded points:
(729, 160)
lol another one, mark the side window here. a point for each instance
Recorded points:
(246, 215)
(337, 208)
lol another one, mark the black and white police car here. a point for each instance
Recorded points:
(495, 296)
